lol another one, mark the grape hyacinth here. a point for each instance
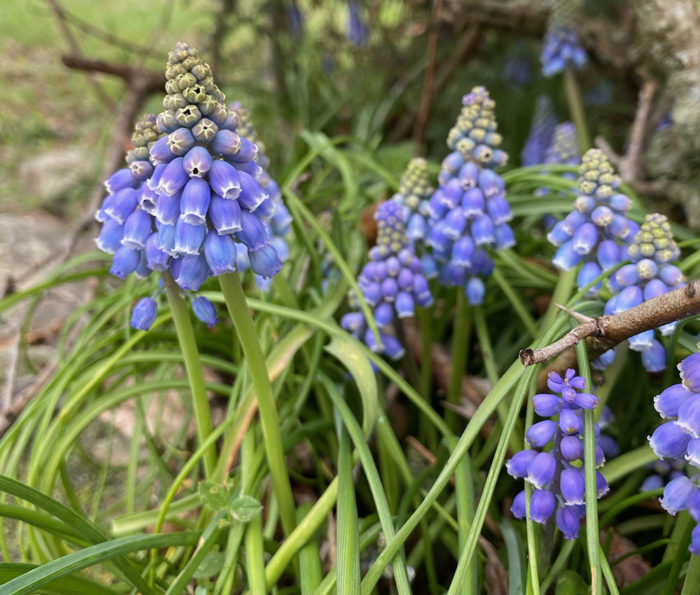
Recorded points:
(649, 275)
(544, 122)
(191, 200)
(562, 48)
(414, 193)
(392, 282)
(679, 438)
(557, 475)
(279, 225)
(469, 210)
(357, 30)
(597, 231)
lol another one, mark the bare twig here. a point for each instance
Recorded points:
(605, 332)
(429, 84)
(153, 81)
(629, 165)
(75, 48)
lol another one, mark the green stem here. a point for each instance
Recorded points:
(589, 464)
(238, 310)
(573, 98)
(692, 577)
(193, 365)
(254, 551)
(428, 433)
(460, 344)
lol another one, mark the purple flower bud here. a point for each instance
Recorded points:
(671, 275)
(566, 257)
(475, 291)
(546, 405)
(569, 422)
(248, 151)
(451, 194)
(693, 452)
(120, 179)
(627, 275)
(144, 314)
(540, 433)
(653, 482)
(156, 258)
(518, 464)
(585, 238)
(252, 195)
(602, 216)
(669, 441)
(454, 161)
(188, 237)
(192, 272)
(220, 253)
(629, 297)
(122, 204)
(372, 293)
(694, 506)
(601, 484)
(690, 372)
(542, 505)
(226, 142)
(126, 260)
(225, 215)
(571, 448)
(405, 279)
(160, 151)
(264, 261)
(608, 254)
(392, 346)
(568, 522)
(482, 230)
(504, 236)
(609, 446)
(518, 507)
(174, 177)
(559, 234)
(473, 203)
(110, 238)
(224, 179)
(147, 199)
(462, 251)
(655, 288)
(678, 494)
(353, 321)
(180, 141)
(585, 400)
(694, 546)
(251, 168)
(416, 228)
(281, 247)
(167, 208)
(390, 289)
(205, 311)
(197, 162)
(589, 271)
(195, 200)
(689, 415)
(252, 233)
(384, 314)
(137, 228)
(165, 240)
(404, 305)
(454, 223)
(669, 401)
(572, 485)
(620, 202)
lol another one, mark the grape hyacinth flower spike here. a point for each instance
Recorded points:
(191, 202)
(596, 233)
(544, 122)
(650, 274)
(469, 211)
(279, 223)
(679, 439)
(357, 30)
(414, 193)
(562, 48)
(392, 282)
(557, 475)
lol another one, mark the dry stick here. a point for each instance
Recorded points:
(429, 84)
(605, 332)
(75, 48)
(629, 164)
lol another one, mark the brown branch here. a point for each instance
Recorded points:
(605, 332)
(152, 81)
(429, 84)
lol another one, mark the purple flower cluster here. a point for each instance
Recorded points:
(191, 199)
(357, 30)
(597, 231)
(469, 211)
(557, 475)
(279, 225)
(561, 49)
(544, 122)
(649, 275)
(392, 282)
(414, 193)
(679, 438)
